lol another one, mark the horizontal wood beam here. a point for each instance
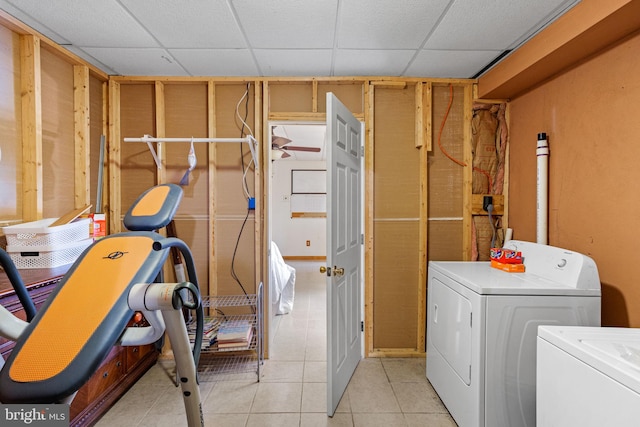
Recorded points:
(477, 203)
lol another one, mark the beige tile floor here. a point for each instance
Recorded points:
(292, 387)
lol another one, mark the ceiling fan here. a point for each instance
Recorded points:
(279, 146)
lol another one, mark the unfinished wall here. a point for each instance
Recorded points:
(10, 124)
(590, 114)
(234, 222)
(58, 143)
(445, 203)
(51, 112)
(214, 206)
(396, 219)
(97, 117)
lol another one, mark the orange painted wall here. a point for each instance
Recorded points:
(591, 115)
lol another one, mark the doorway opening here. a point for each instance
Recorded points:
(297, 227)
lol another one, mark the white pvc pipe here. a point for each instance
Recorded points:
(508, 235)
(542, 213)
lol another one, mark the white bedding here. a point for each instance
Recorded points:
(283, 279)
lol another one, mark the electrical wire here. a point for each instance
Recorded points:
(234, 275)
(245, 187)
(243, 120)
(493, 226)
(458, 162)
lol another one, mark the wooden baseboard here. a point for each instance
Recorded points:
(396, 352)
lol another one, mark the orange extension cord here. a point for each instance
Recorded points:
(461, 163)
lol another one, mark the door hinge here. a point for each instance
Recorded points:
(362, 239)
(471, 320)
(362, 151)
(361, 326)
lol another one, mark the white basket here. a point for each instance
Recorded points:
(47, 256)
(38, 233)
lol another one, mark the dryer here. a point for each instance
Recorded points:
(588, 377)
(482, 327)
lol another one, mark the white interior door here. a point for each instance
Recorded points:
(344, 248)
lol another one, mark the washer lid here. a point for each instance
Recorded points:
(481, 278)
(613, 351)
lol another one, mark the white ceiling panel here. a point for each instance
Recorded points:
(491, 24)
(288, 24)
(449, 63)
(294, 62)
(387, 25)
(216, 62)
(200, 23)
(136, 62)
(89, 23)
(353, 62)
(85, 55)
(424, 38)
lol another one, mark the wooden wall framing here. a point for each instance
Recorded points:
(51, 128)
(416, 204)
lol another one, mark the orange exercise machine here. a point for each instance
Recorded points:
(88, 312)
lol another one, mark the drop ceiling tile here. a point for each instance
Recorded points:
(94, 23)
(387, 25)
(353, 62)
(454, 64)
(288, 37)
(294, 62)
(492, 24)
(91, 60)
(138, 62)
(192, 24)
(216, 62)
(288, 24)
(8, 7)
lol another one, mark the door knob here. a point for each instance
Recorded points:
(338, 271)
(326, 270)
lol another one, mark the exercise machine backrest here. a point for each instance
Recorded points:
(81, 320)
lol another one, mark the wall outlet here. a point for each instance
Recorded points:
(308, 242)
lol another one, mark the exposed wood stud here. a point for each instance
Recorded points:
(105, 131)
(428, 114)
(211, 149)
(81, 118)
(160, 114)
(467, 175)
(257, 179)
(424, 100)
(115, 150)
(314, 97)
(30, 78)
(368, 217)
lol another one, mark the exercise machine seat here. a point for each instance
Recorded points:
(81, 320)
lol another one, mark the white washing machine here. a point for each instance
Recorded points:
(588, 377)
(482, 326)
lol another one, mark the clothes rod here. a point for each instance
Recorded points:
(149, 139)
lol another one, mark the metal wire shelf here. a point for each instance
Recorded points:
(220, 363)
